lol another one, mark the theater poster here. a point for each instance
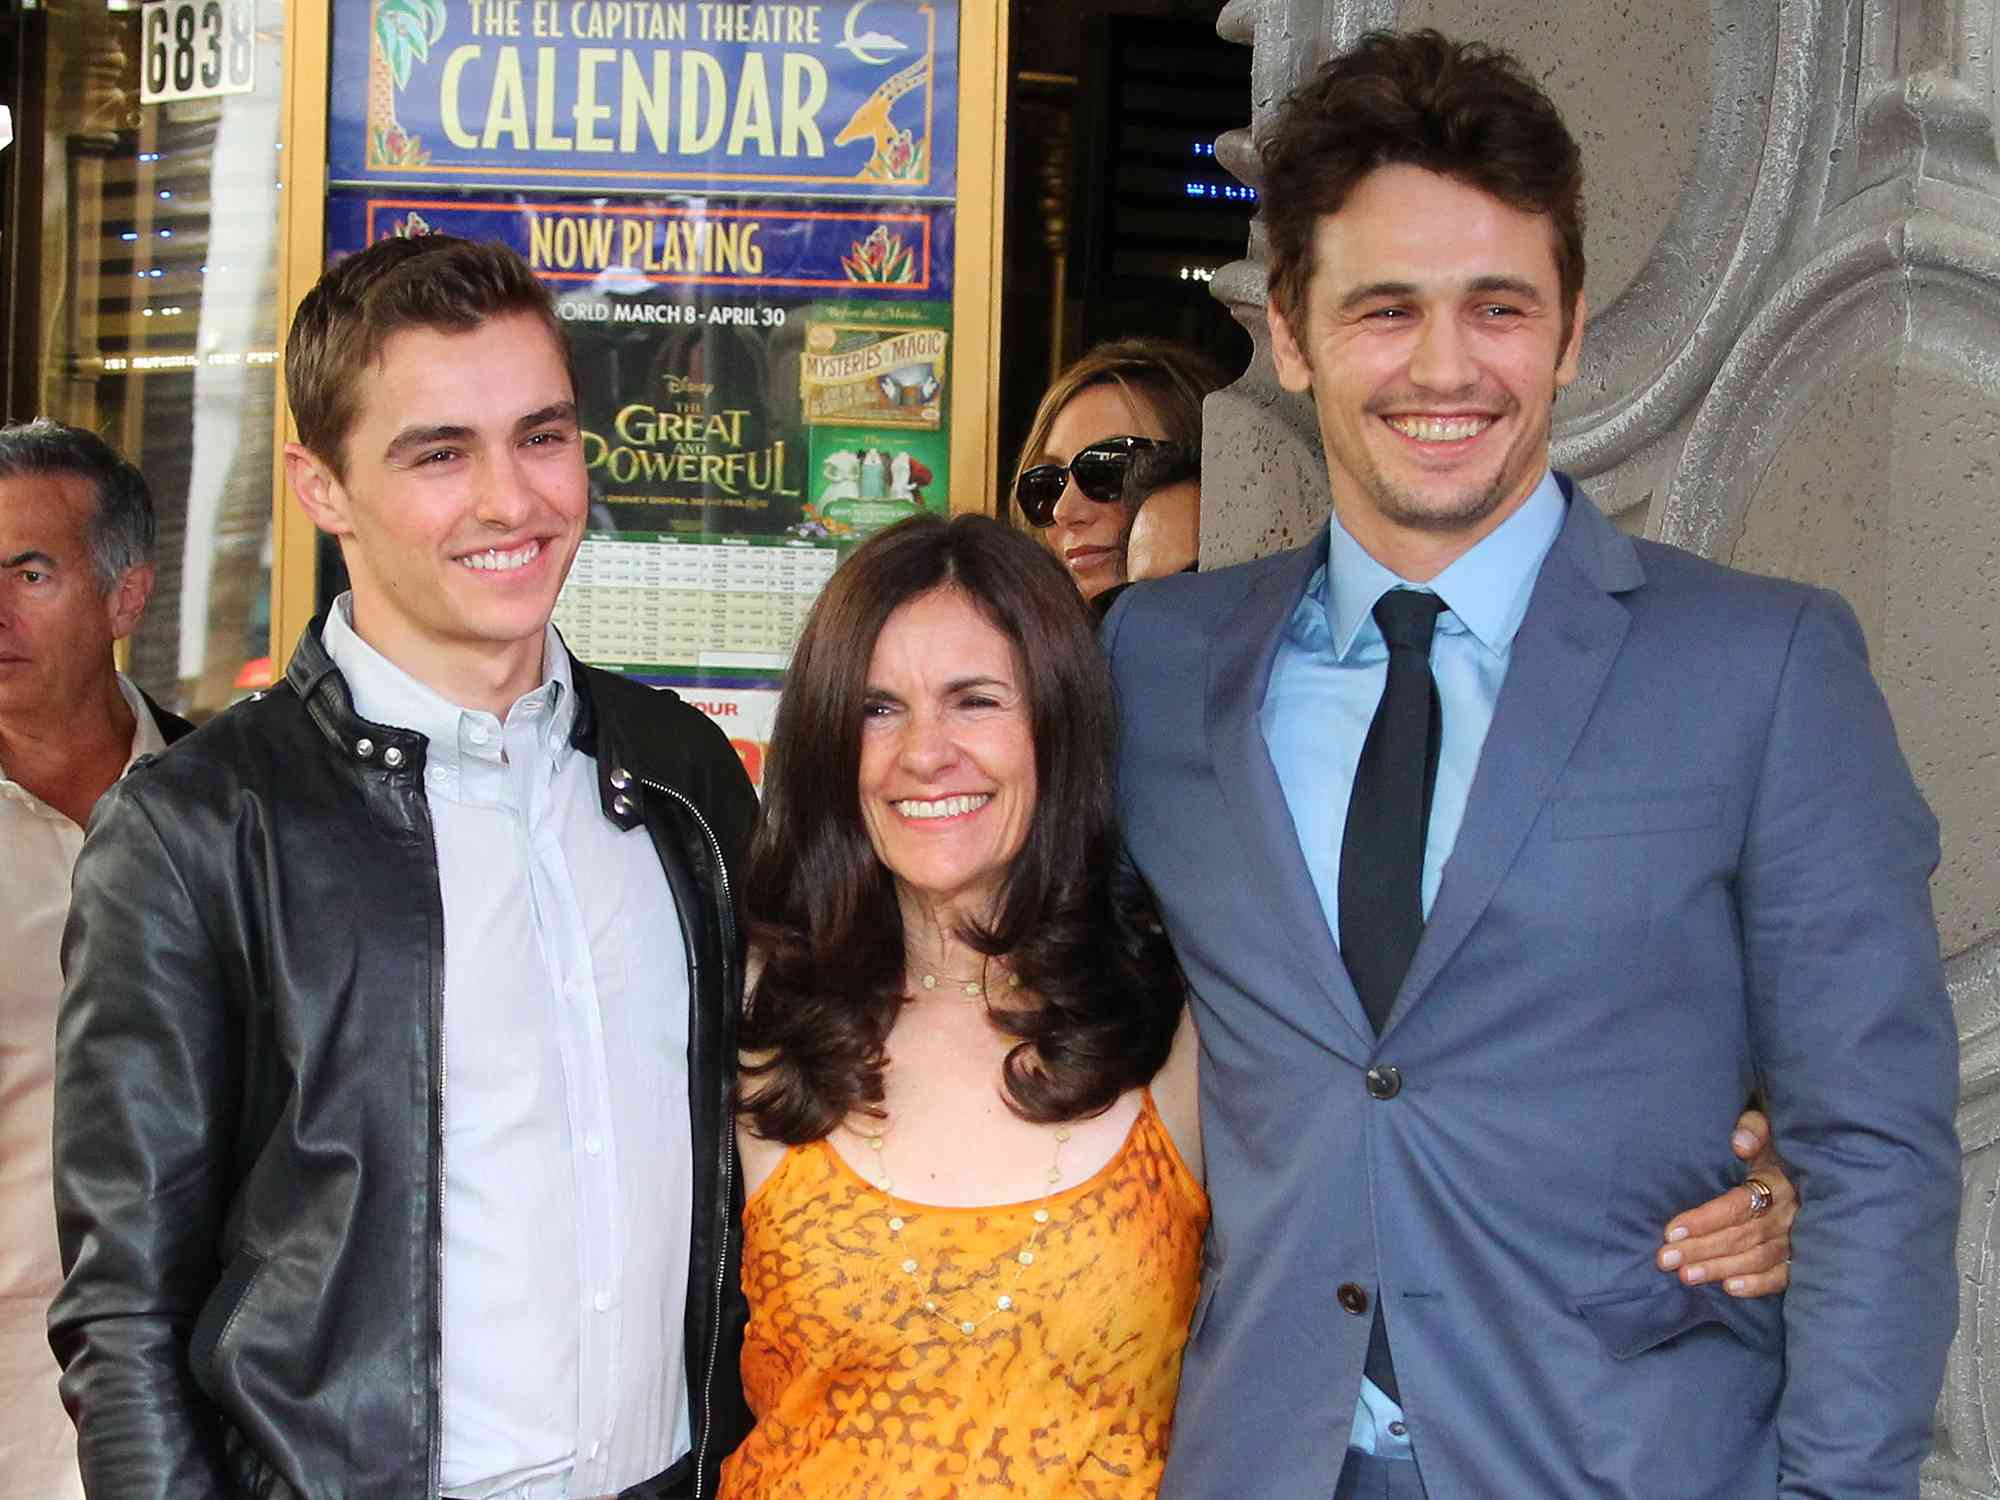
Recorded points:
(744, 213)
(846, 99)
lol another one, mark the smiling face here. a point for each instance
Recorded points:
(1434, 342)
(461, 504)
(57, 620)
(1089, 535)
(947, 757)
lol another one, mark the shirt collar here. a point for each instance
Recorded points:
(384, 693)
(146, 739)
(146, 736)
(1487, 588)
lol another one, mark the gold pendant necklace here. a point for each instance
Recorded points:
(927, 1292)
(972, 989)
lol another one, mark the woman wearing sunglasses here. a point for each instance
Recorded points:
(1125, 410)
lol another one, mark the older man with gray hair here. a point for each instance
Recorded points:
(76, 540)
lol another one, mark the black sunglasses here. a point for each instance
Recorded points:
(1113, 468)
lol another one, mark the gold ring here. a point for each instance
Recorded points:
(1761, 1196)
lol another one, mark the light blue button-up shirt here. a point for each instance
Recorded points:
(568, 1166)
(1326, 682)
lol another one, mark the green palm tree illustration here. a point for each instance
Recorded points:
(404, 33)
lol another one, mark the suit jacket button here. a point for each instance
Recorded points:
(1353, 1298)
(1384, 1082)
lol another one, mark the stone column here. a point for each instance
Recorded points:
(1792, 364)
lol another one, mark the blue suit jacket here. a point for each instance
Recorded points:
(1693, 862)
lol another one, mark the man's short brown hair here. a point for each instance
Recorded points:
(1460, 109)
(435, 281)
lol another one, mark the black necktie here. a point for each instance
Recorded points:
(1382, 850)
(1389, 813)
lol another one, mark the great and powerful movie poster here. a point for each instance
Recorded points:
(743, 212)
(744, 368)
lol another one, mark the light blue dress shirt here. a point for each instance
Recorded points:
(1326, 682)
(568, 1165)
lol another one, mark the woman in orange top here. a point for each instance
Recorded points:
(972, 1236)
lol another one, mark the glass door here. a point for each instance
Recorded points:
(147, 308)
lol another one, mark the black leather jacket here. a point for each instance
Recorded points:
(249, 1095)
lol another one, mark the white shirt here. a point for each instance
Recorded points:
(38, 848)
(568, 1168)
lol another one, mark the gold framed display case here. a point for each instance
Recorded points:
(162, 239)
(315, 98)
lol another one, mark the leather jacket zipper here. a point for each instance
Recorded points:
(727, 911)
(437, 1179)
(328, 711)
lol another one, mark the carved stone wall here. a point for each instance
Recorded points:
(1792, 364)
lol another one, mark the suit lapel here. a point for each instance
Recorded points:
(1565, 649)
(1241, 652)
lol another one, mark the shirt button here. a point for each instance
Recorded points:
(1396, 1429)
(602, 1302)
(1352, 1298)
(1384, 1082)
(593, 1143)
(479, 734)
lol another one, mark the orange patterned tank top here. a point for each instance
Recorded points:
(1066, 1392)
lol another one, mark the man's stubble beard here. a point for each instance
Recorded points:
(1461, 512)
(1419, 510)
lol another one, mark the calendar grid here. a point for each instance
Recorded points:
(699, 603)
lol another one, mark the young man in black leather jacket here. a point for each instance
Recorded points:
(442, 887)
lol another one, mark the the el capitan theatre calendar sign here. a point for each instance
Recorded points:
(853, 99)
(745, 212)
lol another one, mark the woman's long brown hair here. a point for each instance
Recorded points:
(1072, 919)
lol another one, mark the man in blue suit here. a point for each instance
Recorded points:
(1544, 847)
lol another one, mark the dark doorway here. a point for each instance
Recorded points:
(1117, 211)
